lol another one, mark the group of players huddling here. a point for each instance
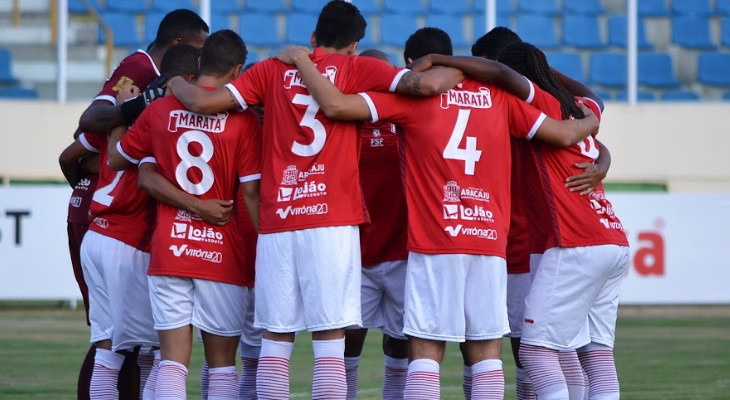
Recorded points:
(459, 200)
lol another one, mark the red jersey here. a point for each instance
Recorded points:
(204, 156)
(384, 238)
(518, 238)
(136, 69)
(576, 220)
(80, 200)
(119, 208)
(458, 172)
(250, 238)
(307, 175)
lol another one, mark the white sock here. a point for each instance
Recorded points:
(394, 377)
(487, 380)
(249, 365)
(329, 381)
(148, 392)
(423, 381)
(466, 382)
(171, 381)
(223, 383)
(105, 375)
(351, 367)
(272, 375)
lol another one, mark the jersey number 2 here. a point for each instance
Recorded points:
(470, 155)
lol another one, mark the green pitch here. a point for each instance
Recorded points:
(661, 353)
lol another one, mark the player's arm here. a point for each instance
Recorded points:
(212, 211)
(593, 173)
(251, 199)
(115, 159)
(430, 82)
(577, 88)
(334, 103)
(568, 132)
(481, 69)
(199, 100)
(71, 160)
(103, 116)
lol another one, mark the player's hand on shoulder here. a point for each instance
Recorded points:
(422, 64)
(585, 181)
(215, 211)
(127, 93)
(590, 116)
(291, 54)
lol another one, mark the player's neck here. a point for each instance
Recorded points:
(156, 53)
(331, 50)
(211, 81)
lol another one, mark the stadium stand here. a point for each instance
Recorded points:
(691, 7)
(128, 6)
(641, 95)
(603, 95)
(453, 25)
(404, 6)
(6, 71)
(617, 36)
(309, 6)
(272, 6)
(219, 20)
(78, 6)
(259, 29)
(657, 8)
(151, 22)
(608, 69)
(569, 64)
(18, 93)
(589, 7)
(166, 6)
(726, 32)
(549, 7)
(656, 70)
(367, 7)
(726, 96)
(714, 69)
(480, 24)
(395, 28)
(679, 95)
(504, 7)
(449, 6)
(722, 7)
(582, 31)
(538, 30)
(692, 31)
(299, 28)
(225, 7)
(125, 29)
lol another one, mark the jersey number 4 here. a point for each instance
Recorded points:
(470, 155)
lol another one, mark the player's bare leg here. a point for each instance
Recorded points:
(329, 381)
(423, 380)
(272, 376)
(105, 375)
(220, 354)
(354, 342)
(175, 347)
(485, 357)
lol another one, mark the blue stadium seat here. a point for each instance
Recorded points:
(368, 40)
(396, 57)
(656, 70)
(299, 28)
(124, 28)
(723, 7)
(590, 7)
(131, 6)
(450, 6)
(6, 72)
(260, 29)
(549, 7)
(582, 31)
(640, 96)
(655, 8)
(694, 7)
(538, 30)
(274, 6)
(18, 93)
(225, 7)
(78, 6)
(151, 23)
(404, 6)
(726, 96)
(569, 64)
(608, 69)
(480, 24)
(395, 28)
(679, 95)
(603, 95)
(726, 32)
(168, 5)
(617, 35)
(367, 6)
(309, 6)
(714, 69)
(219, 21)
(692, 31)
(504, 7)
(452, 24)
(252, 57)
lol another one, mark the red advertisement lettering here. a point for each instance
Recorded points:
(649, 258)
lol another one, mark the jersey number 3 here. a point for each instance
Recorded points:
(470, 155)
(309, 120)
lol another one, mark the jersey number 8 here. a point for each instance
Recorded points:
(200, 162)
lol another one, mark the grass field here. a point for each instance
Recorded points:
(661, 353)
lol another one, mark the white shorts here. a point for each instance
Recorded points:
(574, 297)
(383, 289)
(456, 297)
(251, 335)
(214, 307)
(321, 265)
(119, 302)
(518, 285)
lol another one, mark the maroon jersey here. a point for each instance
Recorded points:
(307, 175)
(576, 220)
(136, 69)
(458, 172)
(80, 200)
(206, 156)
(384, 238)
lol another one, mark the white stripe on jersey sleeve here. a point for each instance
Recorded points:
(106, 97)
(373, 111)
(400, 74)
(237, 95)
(125, 155)
(249, 178)
(536, 126)
(84, 142)
(148, 159)
(532, 91)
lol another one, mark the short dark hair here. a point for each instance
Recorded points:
(339, 25)
(377, 54)
(181, 23)
(180, 60)
(222, 51)
(427, 41)
(493, 42)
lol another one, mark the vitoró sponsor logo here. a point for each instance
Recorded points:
(317, 209)
(205, 255)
